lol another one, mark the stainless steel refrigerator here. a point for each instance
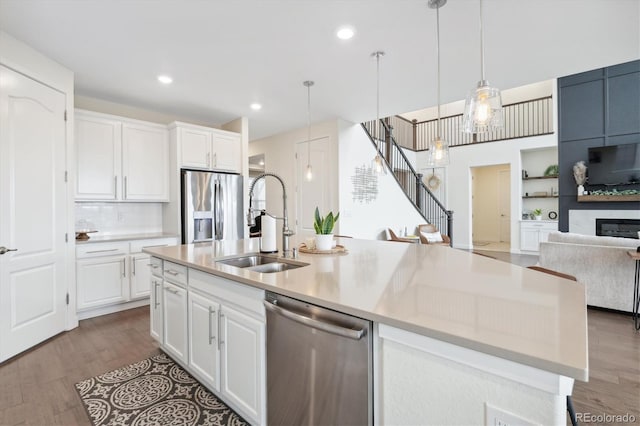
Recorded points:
(212, 206)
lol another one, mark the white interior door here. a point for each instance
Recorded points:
(504, 204)
(317, 191)
(33, 213)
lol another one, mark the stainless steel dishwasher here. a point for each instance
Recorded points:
(319, 365)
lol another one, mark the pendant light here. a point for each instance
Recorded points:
(483, 108)
(309, 172)
(378, 162)
(439, 149)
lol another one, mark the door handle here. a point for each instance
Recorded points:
(133, 266)
(155, 294)
(171, 272)
(4, 250)
(170, 290)
(115, 186)
(211, 312)
(220, 316)
(311, 322)
(125, 187)
(124, 268)
(102, 251)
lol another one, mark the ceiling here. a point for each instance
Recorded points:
(225, 54)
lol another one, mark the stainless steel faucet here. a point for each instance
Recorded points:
(286, 232)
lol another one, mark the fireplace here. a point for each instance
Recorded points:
(625, 228)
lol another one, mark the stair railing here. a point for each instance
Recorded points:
(425, 202)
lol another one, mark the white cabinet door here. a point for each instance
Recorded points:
(242, 347)
(529, 239)
(101, 281)
(175, 321)
(156, 309)
(145, 163)
(98, 157)
(195, 148)
(227, 152)
(204, 353)
(140, 275)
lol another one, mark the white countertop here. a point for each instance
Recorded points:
(452, 295)
(125, 237)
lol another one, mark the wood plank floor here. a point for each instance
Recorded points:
(37, 388)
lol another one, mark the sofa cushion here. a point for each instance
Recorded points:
(432, 237)
(568, 237)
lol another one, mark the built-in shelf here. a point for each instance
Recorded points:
(540, 177)
(608, 198)
(540, 196)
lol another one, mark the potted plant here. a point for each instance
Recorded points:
(537, 213)
(324, 229)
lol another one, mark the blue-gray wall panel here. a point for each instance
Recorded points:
(624, 104)
(581, 113)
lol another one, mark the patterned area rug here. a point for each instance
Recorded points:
(155, 391)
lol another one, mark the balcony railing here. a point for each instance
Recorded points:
(521, 119)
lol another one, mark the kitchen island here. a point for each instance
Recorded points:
(454, 332)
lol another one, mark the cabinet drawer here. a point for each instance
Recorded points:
(243, 296)
(101, 249)
(175, 273)
(137, 245)
(155, 264)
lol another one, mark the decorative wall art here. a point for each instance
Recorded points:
(365, 184)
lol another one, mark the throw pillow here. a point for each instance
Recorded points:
(432, 237)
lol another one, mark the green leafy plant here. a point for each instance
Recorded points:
(551, 170)
(324, 225)
(537, 212)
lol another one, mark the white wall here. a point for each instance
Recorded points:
(279, 157)
(119, 218)
(108, 107)
(391, 209)
(463, 158)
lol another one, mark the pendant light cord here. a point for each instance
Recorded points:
(481, 45)
(438, 56)
(377, 102)
(308, 124)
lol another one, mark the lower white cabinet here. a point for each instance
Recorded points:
(140, 275)
(532, 233)
(242, 360)
(204, 339)
(109, 274)
(156, 308)
(101, 281)
(216, 329)
(175, 321)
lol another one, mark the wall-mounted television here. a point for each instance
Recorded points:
(614, 165)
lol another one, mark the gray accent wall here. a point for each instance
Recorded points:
(595, 108)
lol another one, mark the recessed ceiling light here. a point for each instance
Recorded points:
(256, 106)
(345, 33)
(165, 79)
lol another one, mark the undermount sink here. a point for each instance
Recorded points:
(261, 263)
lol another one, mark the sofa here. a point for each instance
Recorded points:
(600, 263)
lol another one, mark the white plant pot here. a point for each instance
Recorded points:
(538, 217)
(580, 190)
(324, 241)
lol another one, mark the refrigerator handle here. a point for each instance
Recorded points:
(217, 205)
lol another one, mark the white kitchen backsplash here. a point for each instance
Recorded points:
(119, 218)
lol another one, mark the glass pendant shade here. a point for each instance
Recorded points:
(309, 173)
(438, 153)
(483, 109)
(377, 164)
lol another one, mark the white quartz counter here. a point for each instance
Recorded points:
(454, 296)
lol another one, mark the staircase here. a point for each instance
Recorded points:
(429, 207)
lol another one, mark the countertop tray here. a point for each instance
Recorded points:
(336, 250)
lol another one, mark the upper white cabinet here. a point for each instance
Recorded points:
(206, 148)
(120, 159)
(98, 152)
